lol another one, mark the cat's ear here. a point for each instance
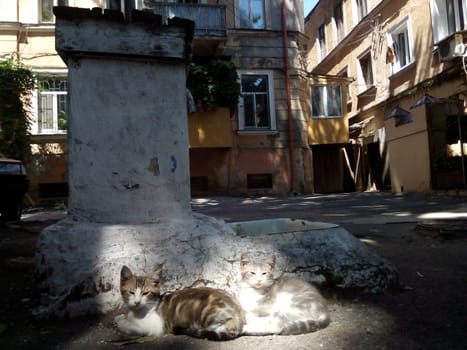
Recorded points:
(156, 276)
(125, 273)
(244, 259)
(271, 261)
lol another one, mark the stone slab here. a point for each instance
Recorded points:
(78, 263)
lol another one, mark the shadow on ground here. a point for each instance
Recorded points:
(429, 312)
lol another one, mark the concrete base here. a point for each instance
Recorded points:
(79, 262)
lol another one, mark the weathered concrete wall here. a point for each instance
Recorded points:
(128, 141)
(128, 129)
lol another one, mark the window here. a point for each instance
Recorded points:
(399, 47)
(326, 101)
(345, 74)
(52, 105)
(362, 9)
(339, 22)
(448, 17)
(46, 9)
(365, 71)
(192, 1)
(322, 41)
(117, 5)
(251, 14)
(256, 106)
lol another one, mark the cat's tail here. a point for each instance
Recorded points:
(306, 326)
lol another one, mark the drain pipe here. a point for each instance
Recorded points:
(20, 28)
(289, 104)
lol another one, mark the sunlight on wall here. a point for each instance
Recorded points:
(47, 148)
(443, 215)
(201, 135)
(454, 150)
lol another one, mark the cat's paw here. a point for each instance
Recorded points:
(124, 325)
(118, 318)
(261, 325)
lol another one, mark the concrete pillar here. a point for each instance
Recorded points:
(127, 115)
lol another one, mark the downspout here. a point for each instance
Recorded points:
(460, 106)
(19, 31)
(289, 104)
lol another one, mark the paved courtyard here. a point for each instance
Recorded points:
(424, 236)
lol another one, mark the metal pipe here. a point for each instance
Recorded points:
(128, 11)
(18, 48)
(289, 104)
(460, 115)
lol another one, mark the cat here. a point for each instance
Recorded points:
(141, 297)
(285, 306)
(199, 312)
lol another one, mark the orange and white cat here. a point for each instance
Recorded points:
(199, 312)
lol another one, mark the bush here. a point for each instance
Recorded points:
(214, 84)
(16, 84)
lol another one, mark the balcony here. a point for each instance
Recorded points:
(209, 19)
(210, 26)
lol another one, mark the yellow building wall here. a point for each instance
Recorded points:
(210, 129)
(322, 131)
(370, 34)
(408, 148)
(39, 52)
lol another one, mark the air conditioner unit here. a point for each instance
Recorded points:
(451, 47)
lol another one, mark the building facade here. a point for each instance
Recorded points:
(406, 64)
(273, 142)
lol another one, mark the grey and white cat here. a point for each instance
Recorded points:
(284, 306)
(199, 312)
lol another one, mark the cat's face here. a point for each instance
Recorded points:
(140, 291)
(257, 274)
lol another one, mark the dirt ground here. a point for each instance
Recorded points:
(428, 312)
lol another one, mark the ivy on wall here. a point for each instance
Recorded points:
(214, 83)
(16, 84)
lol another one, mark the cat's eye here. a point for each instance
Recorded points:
(265, 273)
(146, 293)
(253, 273)
(132, 293)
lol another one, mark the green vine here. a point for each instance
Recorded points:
(214, 84)
(16, 84)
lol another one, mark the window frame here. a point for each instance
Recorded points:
(404, 27)
(442, 22)
(242, 127)
(362, 81)
(361, 10)
(327, 107)
(344, 73)
(39, 93)
(321, 38)
(54, 3)
(339, 31)
(250, 25)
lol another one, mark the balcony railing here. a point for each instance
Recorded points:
(209, 19)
